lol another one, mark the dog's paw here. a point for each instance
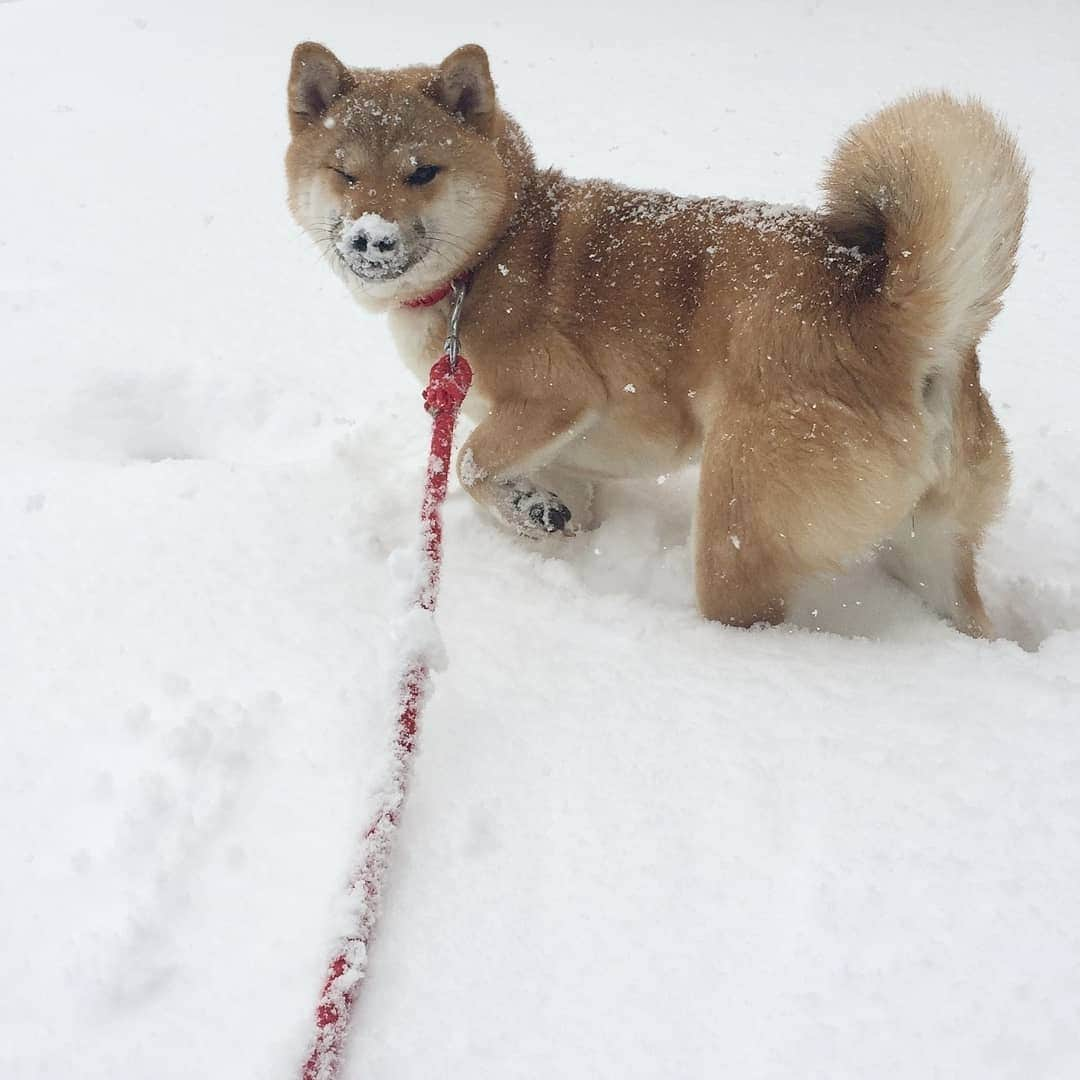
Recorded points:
(535, 512)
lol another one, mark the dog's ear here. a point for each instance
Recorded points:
(316, 78)
(463, 86)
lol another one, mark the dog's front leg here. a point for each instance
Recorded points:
(507, 449)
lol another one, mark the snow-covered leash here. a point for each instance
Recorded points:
(446, 389)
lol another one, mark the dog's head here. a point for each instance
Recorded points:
(404, 178)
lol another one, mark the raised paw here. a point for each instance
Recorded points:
(533, 511)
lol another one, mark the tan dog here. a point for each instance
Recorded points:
(821, 366)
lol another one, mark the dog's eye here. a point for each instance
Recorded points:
(424, 174)
(347, 177)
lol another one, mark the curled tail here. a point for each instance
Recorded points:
(938, 190)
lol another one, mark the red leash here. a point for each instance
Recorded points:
(446, 390)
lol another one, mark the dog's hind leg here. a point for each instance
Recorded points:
(787, 492)
(930, 554)
(933, 550)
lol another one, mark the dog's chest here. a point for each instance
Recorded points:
(419, 335)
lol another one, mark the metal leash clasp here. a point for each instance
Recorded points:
(452, 345)
(451, 375)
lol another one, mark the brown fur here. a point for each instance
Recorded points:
(822, 366)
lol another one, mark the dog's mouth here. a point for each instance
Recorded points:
(371, 271)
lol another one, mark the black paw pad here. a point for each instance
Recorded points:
(542, 510)
(551, 517)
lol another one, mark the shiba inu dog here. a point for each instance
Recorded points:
(820, 365)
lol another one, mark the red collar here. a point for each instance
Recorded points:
(441, 293)
(430, 298)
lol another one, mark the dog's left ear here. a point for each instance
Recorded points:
(463, 86)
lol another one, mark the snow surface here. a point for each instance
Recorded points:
(638, 845)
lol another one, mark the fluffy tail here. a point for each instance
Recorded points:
(938, 190)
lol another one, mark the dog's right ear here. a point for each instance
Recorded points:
(316, 79)
(463, 87)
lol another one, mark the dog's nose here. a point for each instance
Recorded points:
(377, 239)
(385, 244)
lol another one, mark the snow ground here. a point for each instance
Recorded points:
(638, 845)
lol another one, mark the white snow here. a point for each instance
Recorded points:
(471, 473)
(637, 845)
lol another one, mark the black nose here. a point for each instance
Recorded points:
(361, 240)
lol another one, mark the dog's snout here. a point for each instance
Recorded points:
(379, 241)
